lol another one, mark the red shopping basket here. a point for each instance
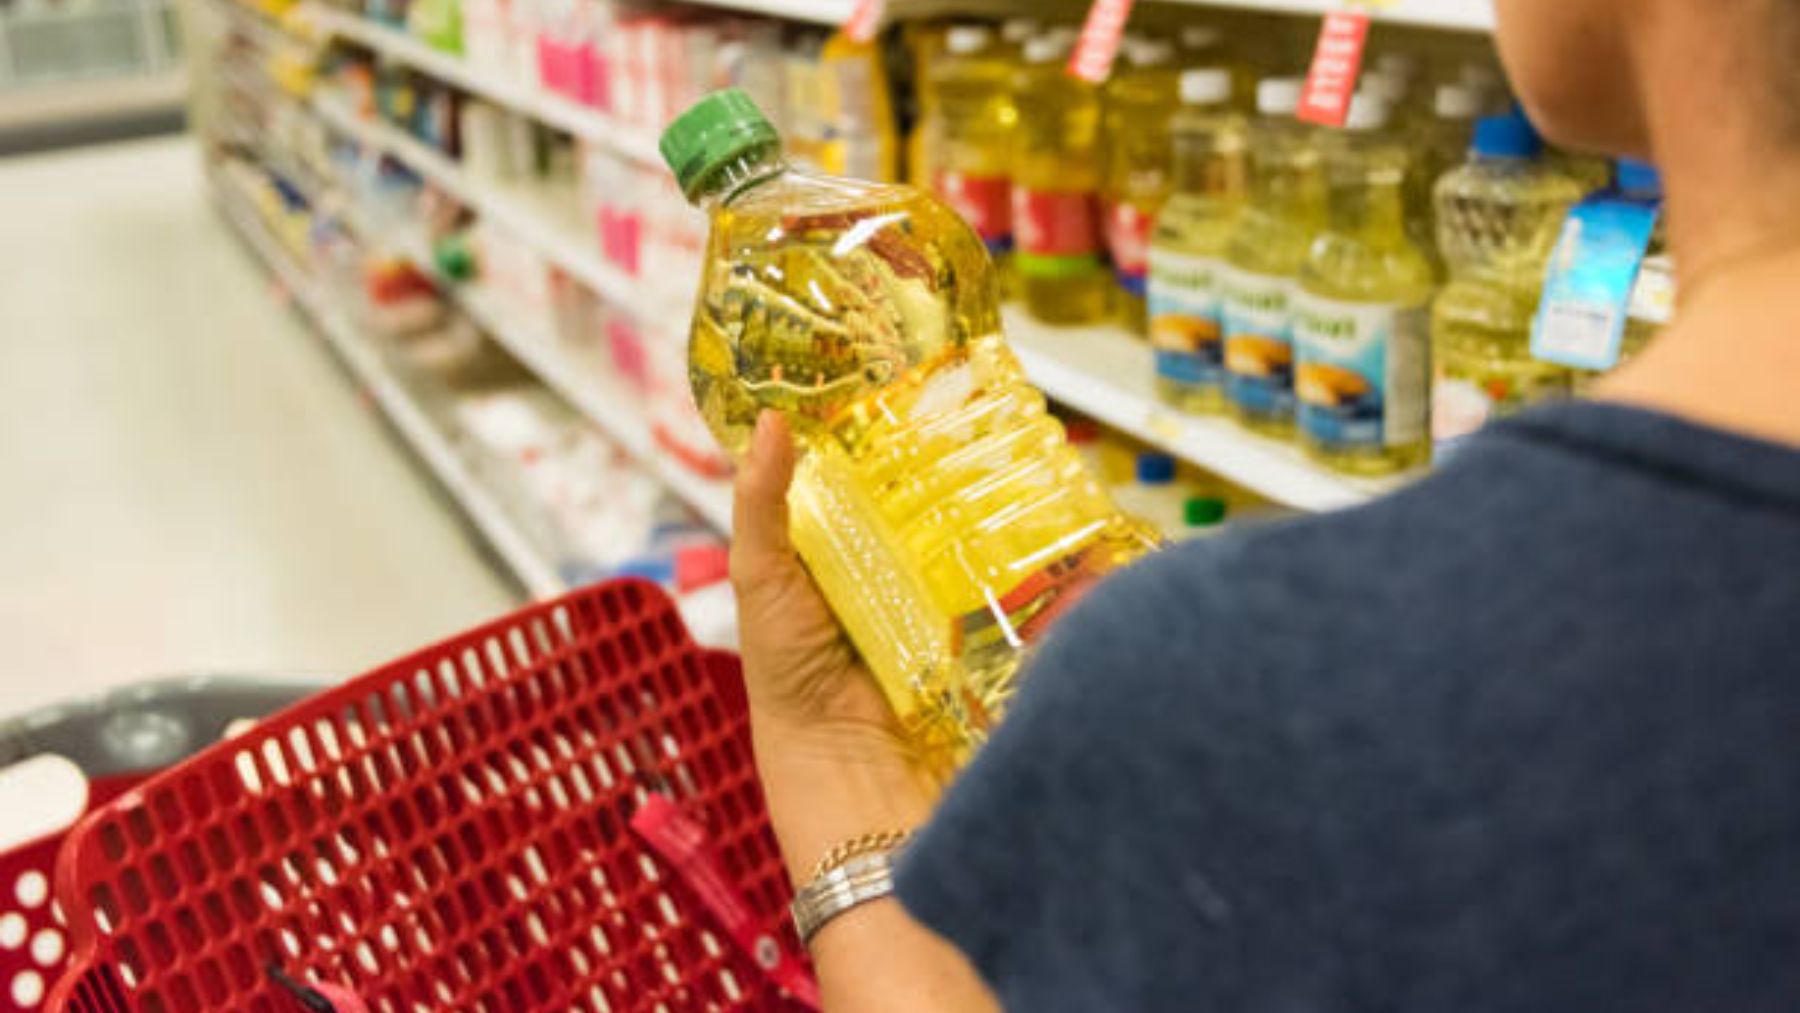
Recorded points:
(106, 745)
(555, 811)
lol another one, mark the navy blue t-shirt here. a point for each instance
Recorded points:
(1521, 738)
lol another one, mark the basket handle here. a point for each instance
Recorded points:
(149, 726)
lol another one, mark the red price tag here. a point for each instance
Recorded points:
(1093, 57)
(1337, 61)
(864, 20)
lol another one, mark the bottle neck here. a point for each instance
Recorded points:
(738, 176)
(1211, 164)
(1368, 198)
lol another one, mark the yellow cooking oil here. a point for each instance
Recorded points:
(1139, 102)
(924, 43)
(1187, 247)
(1362, 315)
(1498, 216)
(940, 508)
(1055, 188)
(1263, 261)
(972, 122)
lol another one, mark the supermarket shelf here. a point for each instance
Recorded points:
(822, 12)
(532, 220)
(536, 573)
(1102, 373)
(605, 402)
(1460, 15)
(553, 110)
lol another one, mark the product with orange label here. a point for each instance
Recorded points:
(1264, 257)
(1361, 315)
(972, 126)
(1056, 180)
(1187, 248)
(938, 505)
(1140, 101)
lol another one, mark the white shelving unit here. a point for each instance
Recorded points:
(1099, 371)
(570, 117)
(605, 402)
(517, 551)
(1102, 373)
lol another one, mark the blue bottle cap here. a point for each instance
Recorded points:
(1508, 136)
(1636, 177)
(1155, 469)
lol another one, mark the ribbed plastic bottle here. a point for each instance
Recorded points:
(1264, 258)
(938, 505)
(1361, 317)
(1498, 217)
(1187, 248)
(973, 119)
(1057, 246)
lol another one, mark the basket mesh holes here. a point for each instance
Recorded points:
(187, 927)
(212, 984)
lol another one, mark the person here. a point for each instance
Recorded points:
(1522, 737)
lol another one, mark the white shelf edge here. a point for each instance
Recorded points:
(543, 106)
(513, 213)
(1106, 375)
(537, 574)
(1456, 15)
(603, 403)
(818, 12)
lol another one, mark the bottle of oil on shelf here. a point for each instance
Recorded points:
(1361, 317)
(973, 120)
(1187, 248)
(1056, 181)
(938, 505)
(1140, 101)
(1264, 257)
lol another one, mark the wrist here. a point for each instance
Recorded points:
(826, 785)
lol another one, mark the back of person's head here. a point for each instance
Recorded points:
(1605, 75)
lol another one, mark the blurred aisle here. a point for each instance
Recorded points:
(187, 479)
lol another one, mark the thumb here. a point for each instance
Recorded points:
(760, 545)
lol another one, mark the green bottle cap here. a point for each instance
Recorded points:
(453, 258)
(714, 132)
(1203, 511)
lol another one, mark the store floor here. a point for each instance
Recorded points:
(188, 481)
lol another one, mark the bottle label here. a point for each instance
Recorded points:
(1128, 240)
(1186, 317)
(1057, 232)
(1653, 296)
(1259, 342)
(1364, 377)
(1581, 319)
(1021, 616)
(985, 202)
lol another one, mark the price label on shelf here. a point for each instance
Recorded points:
(1164, 426)
(1337, 60)
(1099, 43)
(865, 20)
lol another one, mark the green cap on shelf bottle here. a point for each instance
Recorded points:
(715, 132)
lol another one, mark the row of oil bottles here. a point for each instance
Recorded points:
(1369, 291)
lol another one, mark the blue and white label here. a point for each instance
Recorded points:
(1364, 374)
(1187, 318)
(1588, 288)
(1259, 342)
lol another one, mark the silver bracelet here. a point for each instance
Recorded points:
(856, 882)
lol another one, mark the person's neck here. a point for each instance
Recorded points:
(1731, 357)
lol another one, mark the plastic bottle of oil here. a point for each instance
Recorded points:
(1361, 318)
(1187, 248)
(1264, 257)
(1498, 216)
(1653, 291)
(1056, 183)
(938, 505)
(974, 118)
(1140, 101)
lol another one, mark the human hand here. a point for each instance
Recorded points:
(833, 762)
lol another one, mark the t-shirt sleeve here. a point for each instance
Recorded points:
(1136, 835)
